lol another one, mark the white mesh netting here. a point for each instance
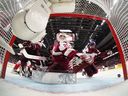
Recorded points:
(8, 8)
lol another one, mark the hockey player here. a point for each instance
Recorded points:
(90, 51)
(62, 53)
(32, 49)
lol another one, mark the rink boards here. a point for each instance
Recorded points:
(53, 77)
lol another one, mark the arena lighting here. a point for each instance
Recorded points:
(103, 21)
(65, 30)
(96, 27)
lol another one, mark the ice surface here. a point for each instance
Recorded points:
(101, 80)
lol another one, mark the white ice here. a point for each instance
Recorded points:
(105, 83)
